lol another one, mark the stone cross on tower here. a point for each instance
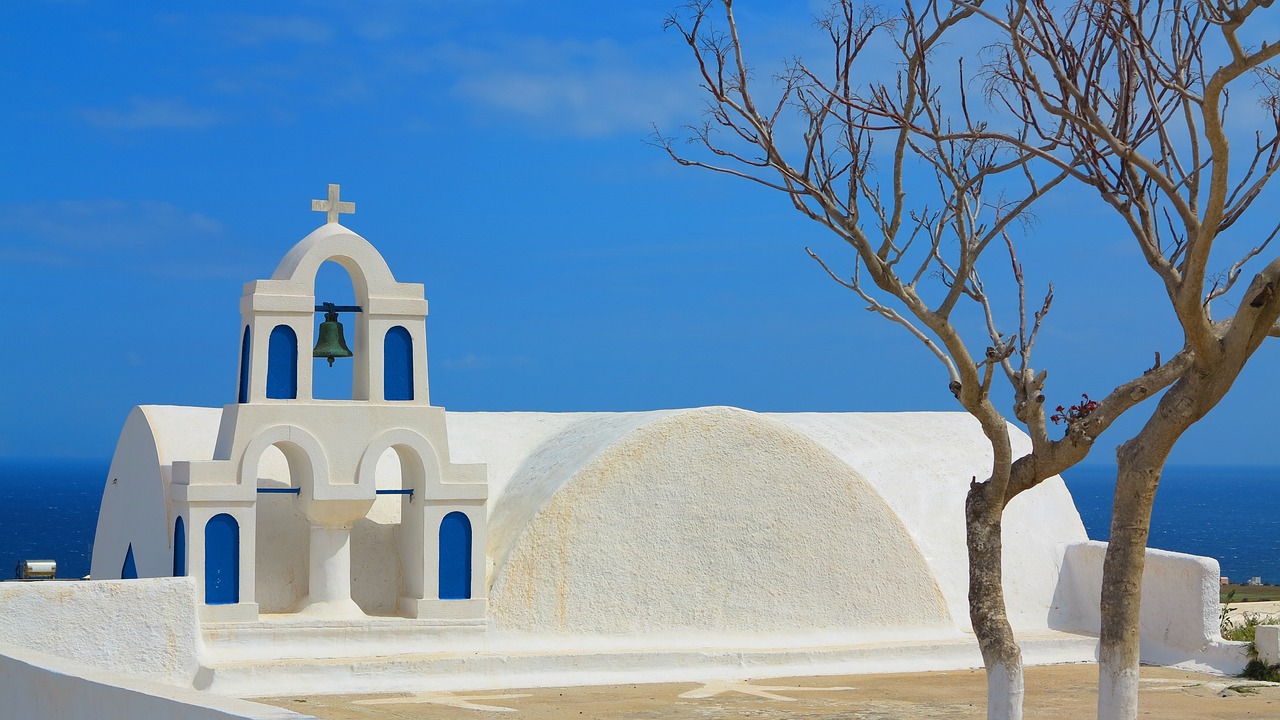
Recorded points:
(332, 206)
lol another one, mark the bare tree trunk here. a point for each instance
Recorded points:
(1141, 460)
(1122, 586)
(1000, 653)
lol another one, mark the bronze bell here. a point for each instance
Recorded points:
(331, 344)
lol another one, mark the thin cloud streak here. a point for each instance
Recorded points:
(74, 232)
(151, 113)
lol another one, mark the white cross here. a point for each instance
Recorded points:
(332, 206)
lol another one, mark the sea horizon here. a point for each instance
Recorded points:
(49, 508)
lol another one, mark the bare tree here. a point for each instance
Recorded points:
(1134, 100)
(851, 155)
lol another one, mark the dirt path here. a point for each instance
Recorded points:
(1053, 692)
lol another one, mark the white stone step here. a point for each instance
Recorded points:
(286, 637)
(491, 669)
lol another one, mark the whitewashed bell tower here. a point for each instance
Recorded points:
(333, 449)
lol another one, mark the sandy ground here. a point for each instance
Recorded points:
(1057, 691)
(1053, 692)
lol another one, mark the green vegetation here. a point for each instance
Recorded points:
(1245, 629)
(1250, 593)
(1258, 670)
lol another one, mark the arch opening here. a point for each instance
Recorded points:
(376, 548)
(334, 283)
(282, 531)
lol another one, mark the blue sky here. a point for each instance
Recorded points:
(158, 157)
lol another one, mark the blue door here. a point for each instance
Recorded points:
(222, 560)
(455, 557)
(179, 548)
(130, 569)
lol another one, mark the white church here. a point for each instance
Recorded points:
(287, 544)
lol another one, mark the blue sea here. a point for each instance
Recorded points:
(49, 510)
(1229, 513)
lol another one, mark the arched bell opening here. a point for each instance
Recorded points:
(333, 377)
(283, 547)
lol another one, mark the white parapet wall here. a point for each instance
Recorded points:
(39, 686)
(147, 628)
(1179, 622)
(1267, 642)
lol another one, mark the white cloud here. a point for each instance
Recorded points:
(579, 88)
(148, 113)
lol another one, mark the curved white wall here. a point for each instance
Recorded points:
(712, 521)
(922, 464)
(134, 508)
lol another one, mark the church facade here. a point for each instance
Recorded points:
(269, 510)
(468, 549)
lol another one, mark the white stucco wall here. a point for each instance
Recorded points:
(147, 628)
(921, 463)
(1178, 624)
(39, 686)
(1267, 641)
(531, 442)
(704, 522)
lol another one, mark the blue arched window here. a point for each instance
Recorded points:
(179, 548)
(222, 560)
(244, 367)
(455, 557)
(282, 363)
(397, 365)
(130, 569)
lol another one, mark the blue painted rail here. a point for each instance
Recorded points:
(297, 491)
(408, 492)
